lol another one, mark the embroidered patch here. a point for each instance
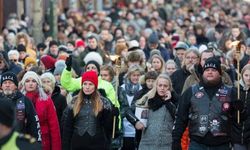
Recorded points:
(225, 106)
(199, 95)
(223, 91)
(202, 129)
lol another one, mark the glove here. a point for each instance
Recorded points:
(238, 105)
(176, 145)
(115, 111)
(68, 63)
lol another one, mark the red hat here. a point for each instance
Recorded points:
(90, 76)
(79, 43)
(48, 61)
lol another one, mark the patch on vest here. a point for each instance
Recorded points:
(202, 129)
(225, 106)
(199, 94)
(215, 125)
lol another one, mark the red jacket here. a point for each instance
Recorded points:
(50, 130)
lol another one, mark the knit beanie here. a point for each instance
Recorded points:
(33, 75)
(48, 61)
(153, 38)
(94, 63)
(29, 60)
(93, 56)
(79, 43)
(21, 48)
(90, 76)
(9, 76)
(59, 66)
(49, 76)
(214, 63)
(53, 42)
(7, 112)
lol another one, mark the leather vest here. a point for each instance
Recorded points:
(209, 115)
(86, 120)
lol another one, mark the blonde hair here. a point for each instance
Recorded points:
(95, 99)
(153, 91)
(162, 70)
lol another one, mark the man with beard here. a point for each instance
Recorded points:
(26, 118)
(206, 109)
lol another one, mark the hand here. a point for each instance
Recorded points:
(168, 96)
(68, 63)
(139, 125)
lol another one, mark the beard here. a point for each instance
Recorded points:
(211, 83)
(8, 92)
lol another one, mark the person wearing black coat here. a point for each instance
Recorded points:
(88, 124)
(241, 130)
(26, 117)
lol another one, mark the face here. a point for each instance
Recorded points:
(235, 32)
(211, 75)
(13, 58)
(105, 75)
(150, 83)
(8, 87)
(88, 87)
(22, 41)
(156, 63)
(47, 81)
(180, 54)
(162, 87)
(54, 50)
(134, 77)
(170, 69)
(91, 67)
(30, 85)
(191, 59)
(153, 46)
(22, 55)
(246, 77)
(205, 56)
(92, 43)
(29, 66)
(2, 64)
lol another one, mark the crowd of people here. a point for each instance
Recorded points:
(165, 74)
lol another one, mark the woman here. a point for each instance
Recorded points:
(49, 84)
(125, 96)
(161, 103)
(50, 131)
(241, 131)
(158, 63)
(88, 123)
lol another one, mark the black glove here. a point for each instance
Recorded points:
(238, 105)
(102, 92)
(68, 63)
(115, 111)
(176, 145)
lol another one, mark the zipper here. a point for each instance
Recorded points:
(243, 124)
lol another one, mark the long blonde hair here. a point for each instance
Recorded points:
(144, 100)
(95, 99)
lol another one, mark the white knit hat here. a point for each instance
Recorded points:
(49, 76)
(93, 56)
(33, 75)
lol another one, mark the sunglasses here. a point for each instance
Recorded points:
(13, 60)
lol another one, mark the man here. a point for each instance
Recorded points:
(53, 49)
(153, 43)
(179, 53)
(205, 108)
(10, 139)
(6, 65)
(26, 118)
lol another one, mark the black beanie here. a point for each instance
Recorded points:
(21, 48)
(7, 112)
(214, 63)
(95, 63)
(9, 76)
(53, 42)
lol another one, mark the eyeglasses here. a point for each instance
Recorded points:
(193, 58)
(13, 60)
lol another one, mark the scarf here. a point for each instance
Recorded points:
(131, 88)
(33, 96)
